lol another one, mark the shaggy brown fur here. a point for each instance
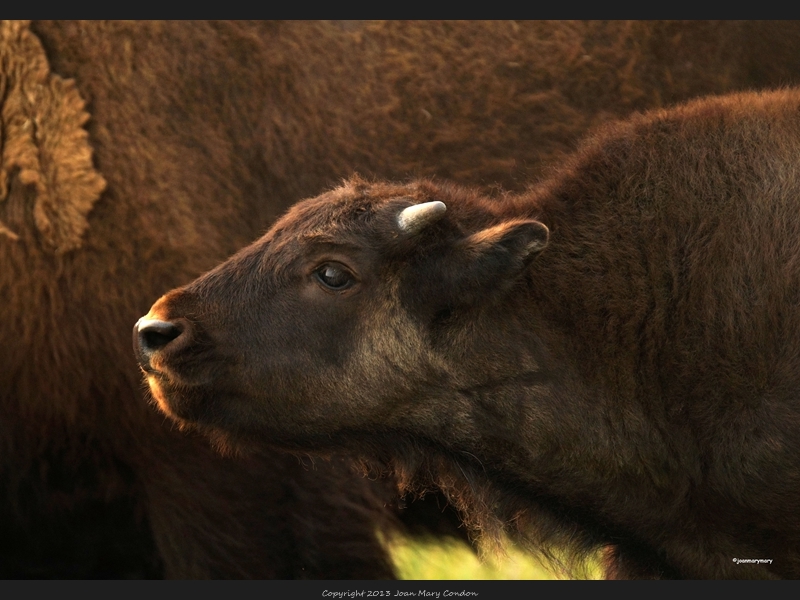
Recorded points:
(609, 359)
(44, 141)
(204, 133)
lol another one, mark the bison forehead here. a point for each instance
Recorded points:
(344, 215)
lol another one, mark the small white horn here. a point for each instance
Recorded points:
(414, 219)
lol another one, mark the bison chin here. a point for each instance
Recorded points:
(190, 409)
(185, 405)
(182, 406)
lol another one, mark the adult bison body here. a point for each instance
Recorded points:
(611, 356)
(137, 155)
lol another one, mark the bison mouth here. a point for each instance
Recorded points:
(182, 368)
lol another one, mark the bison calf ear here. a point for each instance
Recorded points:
(509, 244)
(492, 259)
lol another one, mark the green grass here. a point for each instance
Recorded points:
(452, 559)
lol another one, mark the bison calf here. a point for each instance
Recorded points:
(611, 359)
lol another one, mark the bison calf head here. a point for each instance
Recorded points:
(354, 317)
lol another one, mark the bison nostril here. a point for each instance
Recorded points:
(154, 334)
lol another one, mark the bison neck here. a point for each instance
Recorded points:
(667, 362)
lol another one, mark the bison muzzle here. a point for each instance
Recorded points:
(610, 359)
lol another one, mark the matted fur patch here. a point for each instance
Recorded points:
(43, 141)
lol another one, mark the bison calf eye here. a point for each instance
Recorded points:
(334, 277)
